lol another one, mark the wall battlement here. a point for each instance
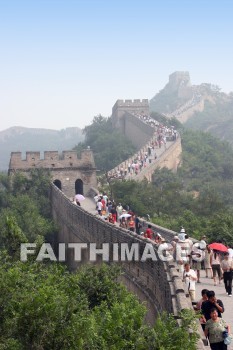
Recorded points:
(137, 105)
(70, 174)
(51, 160)
(121, 107)
(131, 103)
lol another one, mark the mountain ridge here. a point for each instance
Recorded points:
(23, 139)
(202, 107)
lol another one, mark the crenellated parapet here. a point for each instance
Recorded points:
(51, 160)
(70, 173)
(121, 107)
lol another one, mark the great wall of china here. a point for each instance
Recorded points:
(157, 283)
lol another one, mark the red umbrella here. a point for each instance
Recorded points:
(218, 246)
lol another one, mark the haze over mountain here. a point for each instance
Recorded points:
(23, 139)
(202, 107)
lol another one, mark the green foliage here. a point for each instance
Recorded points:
(26, 201)
(100, 285)
(221, 227)
(168, 335)
(45, 307)
(109, 146)
(11, 237)
(40, 304)
(173, 337)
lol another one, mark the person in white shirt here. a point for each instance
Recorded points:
(189, 278)
(99, 206)
(227, 267)
(230, 251)
(181, 235)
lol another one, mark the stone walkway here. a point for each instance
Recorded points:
(158, 151)
(207, 283)
(89, 205)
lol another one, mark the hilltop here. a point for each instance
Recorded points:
(23, 139)
(202, 107)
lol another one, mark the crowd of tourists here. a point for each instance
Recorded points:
(169, 132)
(145, 156)
(218, 266)
(214, 326)
(191, 258)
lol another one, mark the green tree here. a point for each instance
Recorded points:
(110, 147)
(26, 199)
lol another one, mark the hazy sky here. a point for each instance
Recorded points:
(64, 61)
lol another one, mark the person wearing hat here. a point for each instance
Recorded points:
(181, 235)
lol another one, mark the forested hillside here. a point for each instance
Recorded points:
(44, 306)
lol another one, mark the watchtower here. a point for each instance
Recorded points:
(69, 173)
(122, 107)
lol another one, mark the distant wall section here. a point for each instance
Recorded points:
(170, 159)
(124, 118)
(136, 131)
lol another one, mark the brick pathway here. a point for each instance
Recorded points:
(88, 204)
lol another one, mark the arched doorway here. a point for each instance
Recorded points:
(78, 186)
(57, 183)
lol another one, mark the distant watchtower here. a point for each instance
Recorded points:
(122, 107)
(70, 174)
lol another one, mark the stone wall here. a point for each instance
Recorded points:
(51, 160)
(155, 282)
(66, 168)
(128, 106)
(138, 132)
(170, 159)
(199, 107)
(155, 277)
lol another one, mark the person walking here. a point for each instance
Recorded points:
(207, 264)
(190, 278)
(137, 224)
(131, 224)
(211, 303)
(215, 262)
(99, 206)
(199, 304)
(214, 329)
(227, 267)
